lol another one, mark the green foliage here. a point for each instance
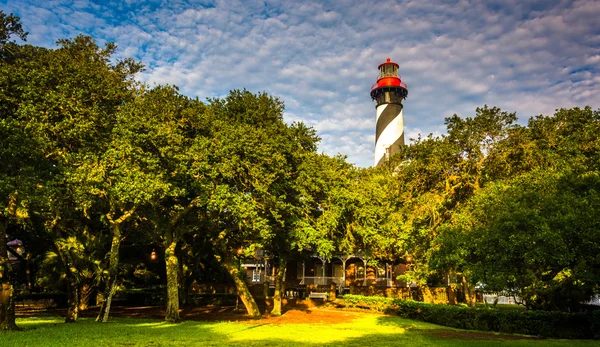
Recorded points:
(542, 225)
(327, 203)
(345, 209)
(534, 233)
(433, 176)
(256, 161)
(10, 25)
(548, 324)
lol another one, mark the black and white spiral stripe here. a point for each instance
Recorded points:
(389, 131)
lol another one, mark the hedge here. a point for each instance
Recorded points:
(583, 325)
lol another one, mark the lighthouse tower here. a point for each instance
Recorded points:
(388, 92)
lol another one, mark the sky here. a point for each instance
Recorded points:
(321, 57)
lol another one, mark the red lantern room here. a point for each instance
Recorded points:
(389, 88)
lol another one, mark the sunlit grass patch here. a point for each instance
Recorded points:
(39, 321)
(316, 334)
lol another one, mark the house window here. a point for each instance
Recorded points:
(256, 276)
(337, 270)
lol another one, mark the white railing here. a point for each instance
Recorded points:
(339, 281)
(489, 298)
(503, 300)
(322, 280)
(595, 301)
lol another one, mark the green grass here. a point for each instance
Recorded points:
(367, 330)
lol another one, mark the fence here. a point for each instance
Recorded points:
(502, 299)
(595, 301)
(323, 281)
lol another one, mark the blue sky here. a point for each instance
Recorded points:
(321, 57)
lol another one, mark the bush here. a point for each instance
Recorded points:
(584, 325)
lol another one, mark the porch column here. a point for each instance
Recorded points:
(303, 271)
(264, 273)
(324, 262)
(343, 259)
(388, 275)
(365, 261)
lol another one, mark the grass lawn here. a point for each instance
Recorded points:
(365, 330)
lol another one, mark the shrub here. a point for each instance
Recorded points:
(584, 325)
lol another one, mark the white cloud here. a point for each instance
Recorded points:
(321, 57)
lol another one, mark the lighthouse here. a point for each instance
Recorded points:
(388, 93)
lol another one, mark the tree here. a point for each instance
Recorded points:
(541, 209)
(534, 236)
(250, 199)
(299, 146)
(74, 262)
(132, 175)
(10, 25)
(21, 158)
(434, 176)
(66, 100)
(167, 133)
(327, 204)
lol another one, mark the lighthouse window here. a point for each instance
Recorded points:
(389, 71)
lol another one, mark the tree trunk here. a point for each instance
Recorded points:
(73, 297)
(85, 293)
(452, 287)
(266, 289)
(72, 286)
(279, 287)
(451, 293)
(186, 287)
(7, 303)
(425, 293)
(242, 288)
(183, 285)
(113, 271)
(172, 262)
(184, 290)
(469, 292)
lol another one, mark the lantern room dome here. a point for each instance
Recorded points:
(388, 62)
(389, 79)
